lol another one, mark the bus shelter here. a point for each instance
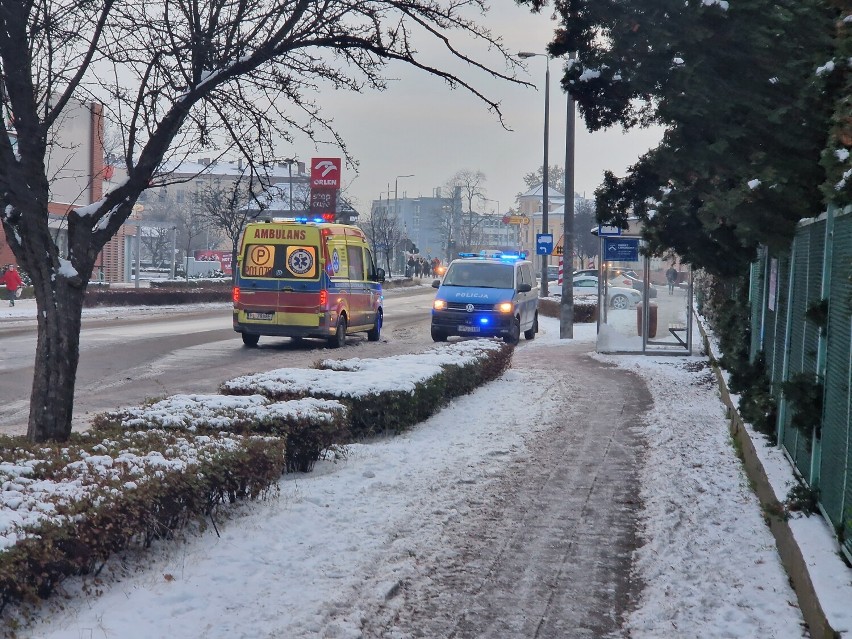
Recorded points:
(644, 303)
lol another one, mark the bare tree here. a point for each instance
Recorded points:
(229, 207)
(175, 78)
(384, 233)
(470, 187)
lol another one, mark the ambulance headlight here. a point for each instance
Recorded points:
(504, 307)
(439, 305)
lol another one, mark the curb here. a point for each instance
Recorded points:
(788, 549)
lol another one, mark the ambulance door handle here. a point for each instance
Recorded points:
(287, 289)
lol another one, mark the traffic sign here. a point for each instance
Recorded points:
(543, 243)
(520, 220)
(604, 230)
(621, 249)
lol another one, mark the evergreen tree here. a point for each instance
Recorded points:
(745, 112)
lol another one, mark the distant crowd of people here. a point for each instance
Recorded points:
(421, 266)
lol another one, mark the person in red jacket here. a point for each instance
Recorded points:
(12, 281)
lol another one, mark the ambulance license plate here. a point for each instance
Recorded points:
(259, 316)
(468, 329)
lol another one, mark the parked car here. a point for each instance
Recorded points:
(616, 296)
(586, 271)
(629, 279)
(552, 273)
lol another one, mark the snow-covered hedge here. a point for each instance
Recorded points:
(308, 425)
(388, 394)
(65, 508)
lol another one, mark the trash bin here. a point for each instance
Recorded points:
(652, 319)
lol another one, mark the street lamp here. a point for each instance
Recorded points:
(488, 199)
(566, 310)
(290, 162)
(396, 196)
(545, 203)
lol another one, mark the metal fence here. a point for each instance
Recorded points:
(807, 345)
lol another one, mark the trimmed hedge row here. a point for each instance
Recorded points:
(308, 426)
(100, 296)
(584, 311)
(68, 507)
(389, 394)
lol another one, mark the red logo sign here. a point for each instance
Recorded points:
(325, 173)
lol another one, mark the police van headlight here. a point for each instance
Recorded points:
(504, 307)
(439, 305)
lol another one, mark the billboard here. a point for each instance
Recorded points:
(223, 257)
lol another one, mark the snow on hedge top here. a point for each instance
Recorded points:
(401, 376)
(29, 497)
(226, 412)
(458, 354)
(340, 378)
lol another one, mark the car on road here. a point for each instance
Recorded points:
(617, 297)
(630, 279)
(486, 296)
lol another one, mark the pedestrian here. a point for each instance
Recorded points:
(12, 281)
(671, 278)
(417, 268)
(409, 269)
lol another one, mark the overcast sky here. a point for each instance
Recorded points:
(421, 127)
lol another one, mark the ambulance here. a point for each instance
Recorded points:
(296, 278)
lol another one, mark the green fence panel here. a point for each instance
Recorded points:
(796, 443)
(775, 312)
(836, 461)
(756, 302)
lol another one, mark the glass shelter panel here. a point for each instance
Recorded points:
(644, 303)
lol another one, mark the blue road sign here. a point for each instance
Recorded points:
(622, 249)
(543, 243)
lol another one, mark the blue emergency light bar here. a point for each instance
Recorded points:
(496, 255)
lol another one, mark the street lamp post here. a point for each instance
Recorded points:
(545, 201)
(566, 314)
(488, 199)
(396, 198)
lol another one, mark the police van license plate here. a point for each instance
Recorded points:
(259, 316)
(468, 329)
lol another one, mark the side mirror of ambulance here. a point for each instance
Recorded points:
(436, 284)
(380, 275)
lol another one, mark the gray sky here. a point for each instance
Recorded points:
(420, 126)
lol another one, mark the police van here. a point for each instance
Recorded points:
(296, 278)
(486, 295)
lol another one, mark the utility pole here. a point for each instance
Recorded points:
(566, 309)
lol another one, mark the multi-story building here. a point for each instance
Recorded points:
(430, 224)
(75, 166)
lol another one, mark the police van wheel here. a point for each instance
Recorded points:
(339, 339)
(250, 340)
(514, 335)
(375, 333)
(530, 334)
(438, 336)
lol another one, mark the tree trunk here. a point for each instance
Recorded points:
(60, 305)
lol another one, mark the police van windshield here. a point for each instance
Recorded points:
(281, 261)
(480, 275)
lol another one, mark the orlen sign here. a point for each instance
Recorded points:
(325, 173)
